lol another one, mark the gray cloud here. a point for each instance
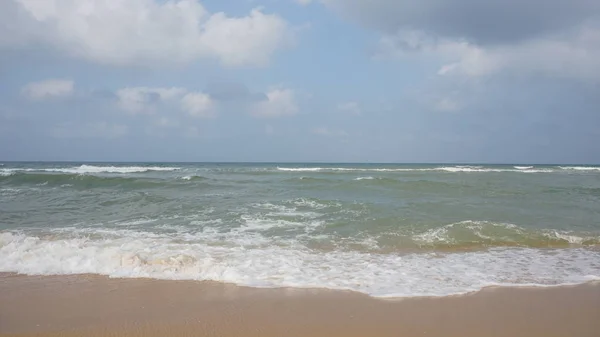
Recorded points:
(481, 22)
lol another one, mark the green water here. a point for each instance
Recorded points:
(386, 230)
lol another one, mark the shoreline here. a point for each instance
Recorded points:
(92, 305)
(87, 276)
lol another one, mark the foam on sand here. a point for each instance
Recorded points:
(244, 257)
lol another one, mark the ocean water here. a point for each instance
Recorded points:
(380, 229)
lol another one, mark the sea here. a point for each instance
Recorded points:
(386, 230)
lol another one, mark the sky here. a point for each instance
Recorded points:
(496, 81)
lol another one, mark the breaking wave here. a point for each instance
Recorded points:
(251, 259)
(484, 234)
(451, 169)
(581, 168)
(91, 169)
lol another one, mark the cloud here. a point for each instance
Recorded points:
(479, 38)
(480, 22)
(48, 89)
(138, 100)
(198, 104)
(146, 100)
(165, 122)
(303, 2)
(279, 102)
(233, 92)
(143, 31)
(324, 131)
(352, 108)
(575, 55)
(245, 41)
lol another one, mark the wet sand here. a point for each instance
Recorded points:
(88, 305)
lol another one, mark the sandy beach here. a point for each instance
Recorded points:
(89, 305)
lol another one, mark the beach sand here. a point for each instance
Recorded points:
(89, 305)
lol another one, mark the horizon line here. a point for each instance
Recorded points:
(288, 162)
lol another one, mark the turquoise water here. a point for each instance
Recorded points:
(381, 229)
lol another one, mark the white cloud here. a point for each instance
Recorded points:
(137, 100)
(303, 2)
(148, 100)
(137, 32)
(279, 102)
(250, 40)
(327, 132)
(575, 55)
(352, 108)
(48, 89)
(198, 104)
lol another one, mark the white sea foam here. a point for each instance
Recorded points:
(249, 259)
(452, 169)
(301, 169)
(491, 231)
(350, 169)
(264, 223)
(566, 236)
(444, 234)
(580, 168)
(85, 169)
(135, 222)
(364, 178)
(9, 191)
(90, 169)
(313, 204)
(286, 211)
(543, 170)
(469, 169)
(7, 172)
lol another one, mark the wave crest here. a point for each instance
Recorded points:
(580, 168)
(91, 169)
(473, 234)
(125, 253)
(450, 169)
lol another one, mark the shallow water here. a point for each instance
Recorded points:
(385, 230)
